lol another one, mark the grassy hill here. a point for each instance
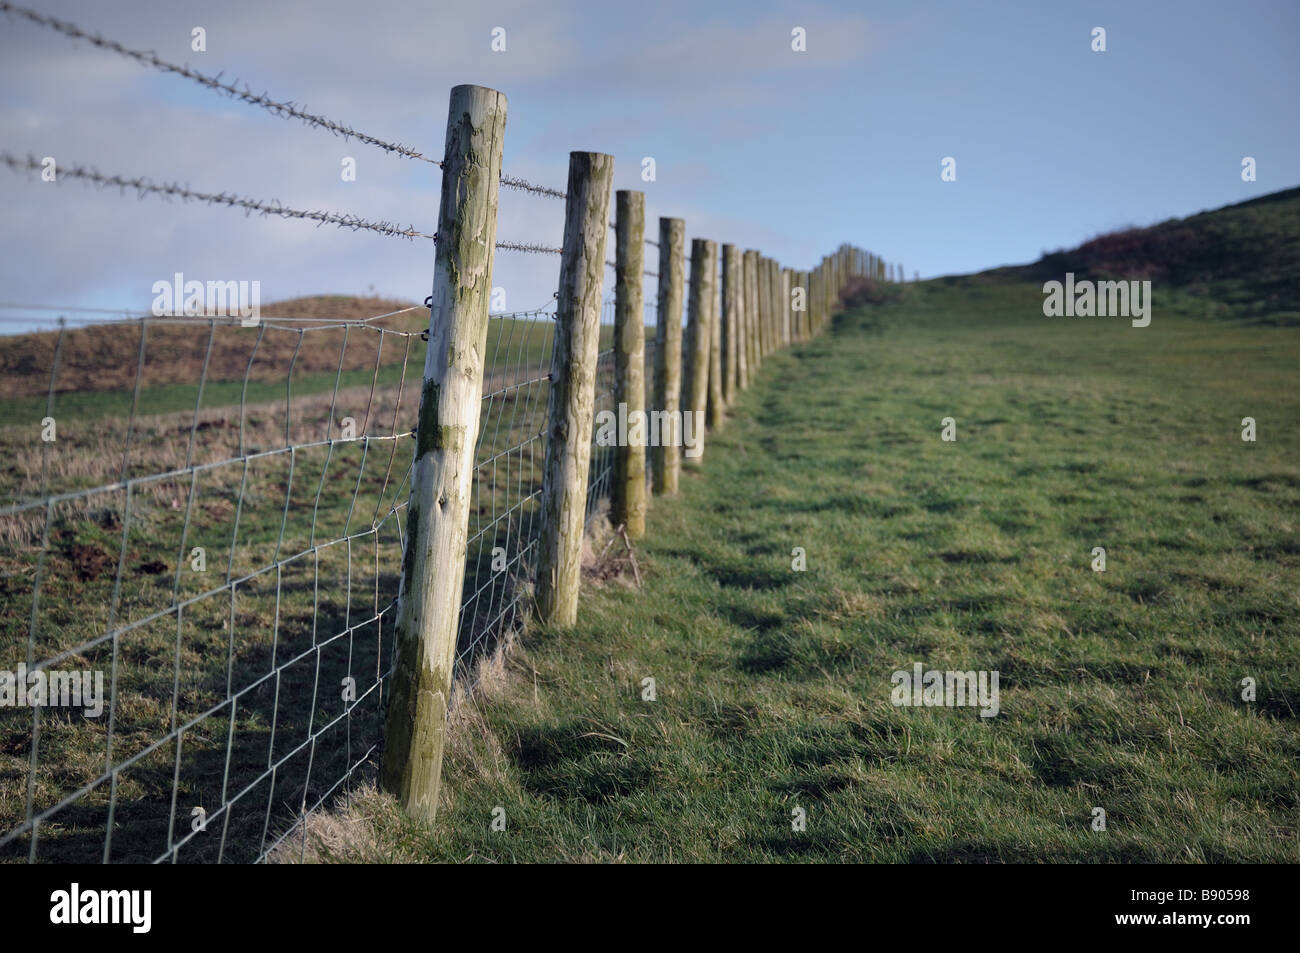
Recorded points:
(1241, 261)
(1120, 690)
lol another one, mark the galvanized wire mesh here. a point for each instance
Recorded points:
(217, 528)
(213, 524)
(506, 492)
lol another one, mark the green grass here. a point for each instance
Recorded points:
(1119, 690)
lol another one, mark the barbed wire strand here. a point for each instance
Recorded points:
(143, 186)
(522, 185)
(286, 109)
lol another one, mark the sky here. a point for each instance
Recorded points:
(754, 143)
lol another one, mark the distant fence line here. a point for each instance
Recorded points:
(358, 584)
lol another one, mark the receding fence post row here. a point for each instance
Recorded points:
(627, 499)
(666, 456)
(700, 308)
(730, 322)
(573, 385)
(437, 519)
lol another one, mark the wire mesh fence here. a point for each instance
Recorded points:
(215, 530)
(507, 487)
(204, 534)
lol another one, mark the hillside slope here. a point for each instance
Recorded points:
(1120, 690)
(1241, 261)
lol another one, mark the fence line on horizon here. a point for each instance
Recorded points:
(230, 526)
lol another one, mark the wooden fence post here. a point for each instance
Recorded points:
(666, 459)
(796, 317)
(829, 287)
(765, 302)
(774, 282)
(627, 499)
(695, 383)
(570, 409)
(749, 313)
(731, 302)
(774, 270)
(805, 330)
(814, 300)
(787, 316)
(715, 402)
(437, 519)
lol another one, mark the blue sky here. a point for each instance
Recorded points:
(791, 153)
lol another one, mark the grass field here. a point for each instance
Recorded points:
(1120, 690)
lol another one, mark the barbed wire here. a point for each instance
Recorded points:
(514, 182)
(285, 110)
(145, 186)
(530, 248)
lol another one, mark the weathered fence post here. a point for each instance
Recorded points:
(805, 330)
(666, 457)
(627, 501)
(796, 317)
(774, 282)
(704, 268)
(765, 305)
(752, 358)
(731, 301)
(573, 387)
(715, 402)
(437, 519)
(774, 277)
(787, 315)
(814, 300)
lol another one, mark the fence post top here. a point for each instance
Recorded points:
(632, 194)
(582, 153)
(470, 89)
